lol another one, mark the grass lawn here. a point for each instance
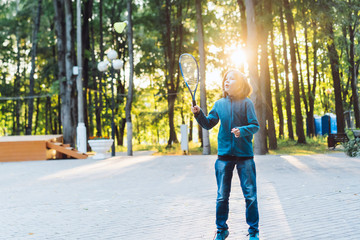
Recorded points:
(317, 145)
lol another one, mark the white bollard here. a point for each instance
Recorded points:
(184, 138)
(81, 138)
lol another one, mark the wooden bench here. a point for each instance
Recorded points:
(335, 139)
(36, 147)
(26, 148)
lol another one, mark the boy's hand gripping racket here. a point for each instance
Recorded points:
(190, 71)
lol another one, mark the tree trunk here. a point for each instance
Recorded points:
(200, 135)
(311, 91)
(291, 34)
(32, 72)
(171, 107)
(52, 111)
(16, 121)
(243, 21)
(265, 76)
(88, 8)
(277, 88)
(203, 105)
(99, 101)
(120, 102)
(303, 94)
(309, 113)
(58, 123)
(68, 119)
(345, 91)
(354, 87)
(286, 67)
(48, 117)
(191, 130)
(60, 42)
(131, 84)
(260, 147)
(90, 111)
(95, 104)
(121, 132)
(170, 83)
(37, 112)
(334, 62)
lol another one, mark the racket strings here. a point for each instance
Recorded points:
(189, 70)
(192, 84)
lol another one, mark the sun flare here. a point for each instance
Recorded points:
(238, 57)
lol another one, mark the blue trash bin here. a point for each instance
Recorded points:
(328, 124)
(333, 124)
(317, 123)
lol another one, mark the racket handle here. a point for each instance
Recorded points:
(194, 103)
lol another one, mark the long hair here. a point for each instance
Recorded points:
(244, 85)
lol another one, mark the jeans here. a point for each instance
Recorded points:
(247, 175)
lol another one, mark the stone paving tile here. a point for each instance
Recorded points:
(173, 197)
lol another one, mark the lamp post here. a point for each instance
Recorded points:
(116, 64)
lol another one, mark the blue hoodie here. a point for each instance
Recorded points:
(233, 113)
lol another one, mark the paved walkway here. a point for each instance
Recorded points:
(173, 197)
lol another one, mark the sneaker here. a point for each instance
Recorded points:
(254, 236)
(221, 235)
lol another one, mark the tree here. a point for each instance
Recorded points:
(243, 20)
(99, 96)
(287, 82)
(87, 15)
(265, 73)
(313, 50)
(61, 39)
(352, 27)
(33, 56)
(291, 33)
(334, 63)
(131, 84)
(278, 100)
(311, 90)
(171, 84)
(16, 122)
(203, 105)
(252, 47)
(312, 87)
(63, 11)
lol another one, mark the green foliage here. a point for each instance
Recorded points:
(352, 147)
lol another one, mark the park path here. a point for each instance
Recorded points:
(147, 197)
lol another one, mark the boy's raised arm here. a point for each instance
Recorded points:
(206, 122)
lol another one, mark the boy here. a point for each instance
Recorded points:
(238, 124)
